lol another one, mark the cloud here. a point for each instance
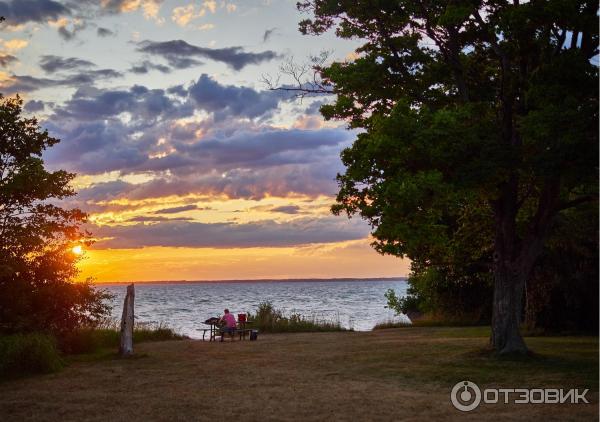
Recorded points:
(230, 235)
(22, 11)
(229, 151)
(34, 106)
(142, 104)
(149, 8)
(183, 15)
(69, 34)
(51, 63)
(146, 66)
(26, 83)
(104, 32)
(175, 210)
(180, 54)
(229, 100)
(15, 44)
(6, 59)
(269, 33)
(154, 219)
(286, 209)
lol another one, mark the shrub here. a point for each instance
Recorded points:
(22, 354)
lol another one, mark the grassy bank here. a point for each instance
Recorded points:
(387, 375)
(35, 353)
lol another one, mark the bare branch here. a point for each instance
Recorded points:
(302, 79)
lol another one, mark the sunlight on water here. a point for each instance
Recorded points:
(357, 304)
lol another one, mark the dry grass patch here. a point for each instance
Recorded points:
(401, 374)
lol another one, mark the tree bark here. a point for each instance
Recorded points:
(127, 320)
(509, 285)
(509, 274)
(514, 258)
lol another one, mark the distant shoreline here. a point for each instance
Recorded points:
(262, 280)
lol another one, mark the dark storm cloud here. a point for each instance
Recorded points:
(175, 210)
(104, 32)
(34, 106)
(146, 66)
(180, 54)
(231, 235)
(6, 59)
(52, 64)
(22, 11)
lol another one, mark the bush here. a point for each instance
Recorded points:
(271, 320)
(22, 354)
(443, 298)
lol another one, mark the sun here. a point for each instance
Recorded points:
(77, 250)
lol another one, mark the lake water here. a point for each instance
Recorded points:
(357, 304)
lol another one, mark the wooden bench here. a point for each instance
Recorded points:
(215, 331)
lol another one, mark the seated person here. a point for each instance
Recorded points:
(229, 324)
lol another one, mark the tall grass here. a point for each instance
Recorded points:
(107, 335)
(22, 354)
(271, 320)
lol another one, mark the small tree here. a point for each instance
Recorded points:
(37, 265)
(464, 104)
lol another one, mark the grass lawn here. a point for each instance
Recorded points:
(395, 374)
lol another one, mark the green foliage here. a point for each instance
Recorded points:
(37, 266)
(31, 353)
(479, 130)
(270, 320)
(562, 294)
(435, 295)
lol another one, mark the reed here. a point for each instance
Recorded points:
(271, 320)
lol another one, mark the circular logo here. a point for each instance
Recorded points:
(465, 396)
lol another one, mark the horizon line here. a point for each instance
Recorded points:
(255, 280)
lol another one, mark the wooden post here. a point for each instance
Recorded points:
(126, 345)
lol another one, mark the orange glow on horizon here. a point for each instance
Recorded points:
(352, 259)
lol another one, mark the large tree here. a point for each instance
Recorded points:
(37, 264)
(466, 105)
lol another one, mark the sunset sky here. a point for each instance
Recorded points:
(188, 166)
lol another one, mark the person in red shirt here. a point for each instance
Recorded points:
(229, 324)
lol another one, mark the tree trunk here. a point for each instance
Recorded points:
(127, 320)
(509, 285)
(509, 275)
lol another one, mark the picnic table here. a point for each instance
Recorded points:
(214, 329)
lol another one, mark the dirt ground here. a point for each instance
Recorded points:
(386, 375)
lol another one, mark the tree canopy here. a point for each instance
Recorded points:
(37, 265)
(474, 114)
